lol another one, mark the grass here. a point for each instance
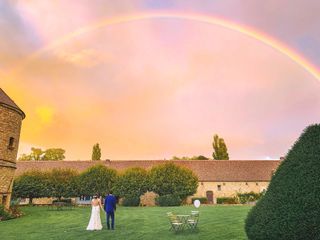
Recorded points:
(216, 222)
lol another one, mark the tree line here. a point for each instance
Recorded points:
(167, 180)
(220, 152)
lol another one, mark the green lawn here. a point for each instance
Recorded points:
(216, 222)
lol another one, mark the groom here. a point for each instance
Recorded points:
(110, 206)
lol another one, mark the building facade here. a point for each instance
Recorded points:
(224, 178)
(11, 117)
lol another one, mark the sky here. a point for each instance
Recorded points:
(155, 79)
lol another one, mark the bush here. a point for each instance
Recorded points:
(64, 200)
(4, 214)
(131, 201)
(290, 207)
(148, 199)
(168, 200)
(227, 200)
(170, 179)
(132, 183)
(31, 184)
(248, 197)
(96, 180)
(203, 200)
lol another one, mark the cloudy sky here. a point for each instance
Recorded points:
(152, 79)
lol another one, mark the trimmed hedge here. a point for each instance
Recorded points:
(202, 200)
(227, 200)
(168, 200)
(131, 201)
(290, 209)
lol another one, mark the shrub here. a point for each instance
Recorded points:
(168, 200)
(202, 200)
(4, 214)
(248, 197)
(148, 199)
(290, 207)
(31, 184)
(227, 200)
(64, 200)
(132, 201)
(97, 179)
(132, 183)
(170, 179)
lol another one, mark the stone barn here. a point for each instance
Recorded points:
(11, 117)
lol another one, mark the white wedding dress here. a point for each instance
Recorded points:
(95, 220)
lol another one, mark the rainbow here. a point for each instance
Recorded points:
(252, 33)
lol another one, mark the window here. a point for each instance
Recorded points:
(224, 184)
(219, 187)
(246, 183)
(257, 184)
(11, 143)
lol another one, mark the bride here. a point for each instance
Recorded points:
(95, 221)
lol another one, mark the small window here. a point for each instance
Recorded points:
(11, 143)
(219, 187)
(257, 184)
(246, 183)
(224, 184)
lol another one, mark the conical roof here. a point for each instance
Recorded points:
(6, 101)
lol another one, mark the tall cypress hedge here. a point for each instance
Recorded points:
(290, 208)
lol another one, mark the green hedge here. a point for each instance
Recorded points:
(290, 209)
(202, 200)
(131, 201)
(168, 200)
(64, 200)
(227, 200)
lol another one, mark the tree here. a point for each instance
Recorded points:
(200, 157)
(37, 154)
(220, 151)
(97, 179)
(290, 207)
(31, 184)
(53, 154)
(170, 179)
(62, 183)
(96, 152)
(133, 182)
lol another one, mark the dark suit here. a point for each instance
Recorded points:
(110, 206)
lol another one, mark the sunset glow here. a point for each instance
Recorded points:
(150, 81)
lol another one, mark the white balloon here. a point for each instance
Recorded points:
(196, 203)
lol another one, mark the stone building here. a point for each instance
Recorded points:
(216, 178)
(11, 117)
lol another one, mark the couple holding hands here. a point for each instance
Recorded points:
(109, 207)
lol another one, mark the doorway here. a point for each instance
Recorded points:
(210, 197)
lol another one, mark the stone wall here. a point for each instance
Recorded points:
(229, 189)
(10, 126)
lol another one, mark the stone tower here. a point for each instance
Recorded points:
(11, 117)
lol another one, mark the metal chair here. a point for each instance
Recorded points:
(176, 224)
(193, 220)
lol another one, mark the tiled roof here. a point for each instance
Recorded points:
(206, 170)
(7, 101)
